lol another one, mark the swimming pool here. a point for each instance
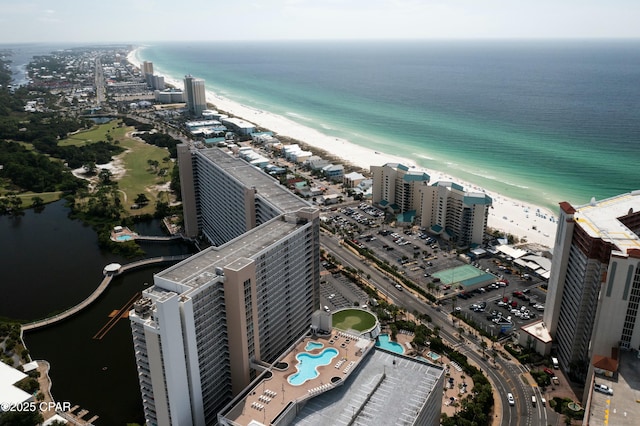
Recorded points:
(313, 345)
(434, 356)
(308, 365)
(124, 238)
(384, 343)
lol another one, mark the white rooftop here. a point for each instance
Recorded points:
(30, 366)
(538, 330)
(601, 219)
(510, 251)
(9, 376)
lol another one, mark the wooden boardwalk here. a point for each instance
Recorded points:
(98, 291)
(118, 315)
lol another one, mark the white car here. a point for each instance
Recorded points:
(603, 388)
(512, 401)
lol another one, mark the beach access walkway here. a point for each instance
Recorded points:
(109, 272)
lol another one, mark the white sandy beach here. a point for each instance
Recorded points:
(524, 220)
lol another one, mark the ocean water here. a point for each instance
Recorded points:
(540, 121)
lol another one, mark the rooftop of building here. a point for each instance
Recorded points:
(397, 385)
(239, 122)
(471, 198)
(9, 393)
(246, 246)
(415, 176)
(601, 219)
(251, 177)
(538, 331)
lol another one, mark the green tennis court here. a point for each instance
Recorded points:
(466, 275)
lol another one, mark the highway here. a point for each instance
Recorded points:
(99, 82)
(507, 376)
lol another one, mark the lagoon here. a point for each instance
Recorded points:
(55, 264)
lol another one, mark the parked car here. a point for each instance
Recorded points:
(603, 388)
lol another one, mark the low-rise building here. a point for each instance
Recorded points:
(9, 392)
(333, 172)
(240, 126)
(354, 373)
(352, 180)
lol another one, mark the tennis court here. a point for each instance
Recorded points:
(466, 275)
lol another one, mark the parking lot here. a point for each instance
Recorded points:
(338, 292)
(506, 302)
(501, 307)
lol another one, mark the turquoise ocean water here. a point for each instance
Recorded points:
(539, 121)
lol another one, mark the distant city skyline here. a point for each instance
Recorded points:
(157, 20)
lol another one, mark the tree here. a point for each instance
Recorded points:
(16, 204)
(37, 203)
(153, 164)
(141, 199)
(105, 176)
(21, 418)
(90, 168)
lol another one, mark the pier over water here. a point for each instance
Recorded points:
(109, 271)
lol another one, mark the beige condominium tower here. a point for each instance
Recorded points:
(195, 94)
(205, 321)
(594, 287)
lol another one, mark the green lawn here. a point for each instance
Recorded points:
(140, 178)
(95, 134)
(353, 319)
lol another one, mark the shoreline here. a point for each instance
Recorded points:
(522, 219)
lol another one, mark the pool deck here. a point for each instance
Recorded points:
(122, 233)
(272, 395)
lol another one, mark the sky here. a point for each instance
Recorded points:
(134, 21)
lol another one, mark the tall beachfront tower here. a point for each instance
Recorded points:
(147, 68)
(195, 94)
(207, 321)
(594, 287)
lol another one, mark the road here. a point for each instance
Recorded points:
(506, 377)
(99, 82)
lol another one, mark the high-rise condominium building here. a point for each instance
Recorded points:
(444, 206)
(203, 324)
(594, 287)
(195, 94)
(395, 186)
(447, 207)
(147, 68)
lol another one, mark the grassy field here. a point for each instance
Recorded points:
(353, 319)
(140, 177)
(95, 134)
(47, 197)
